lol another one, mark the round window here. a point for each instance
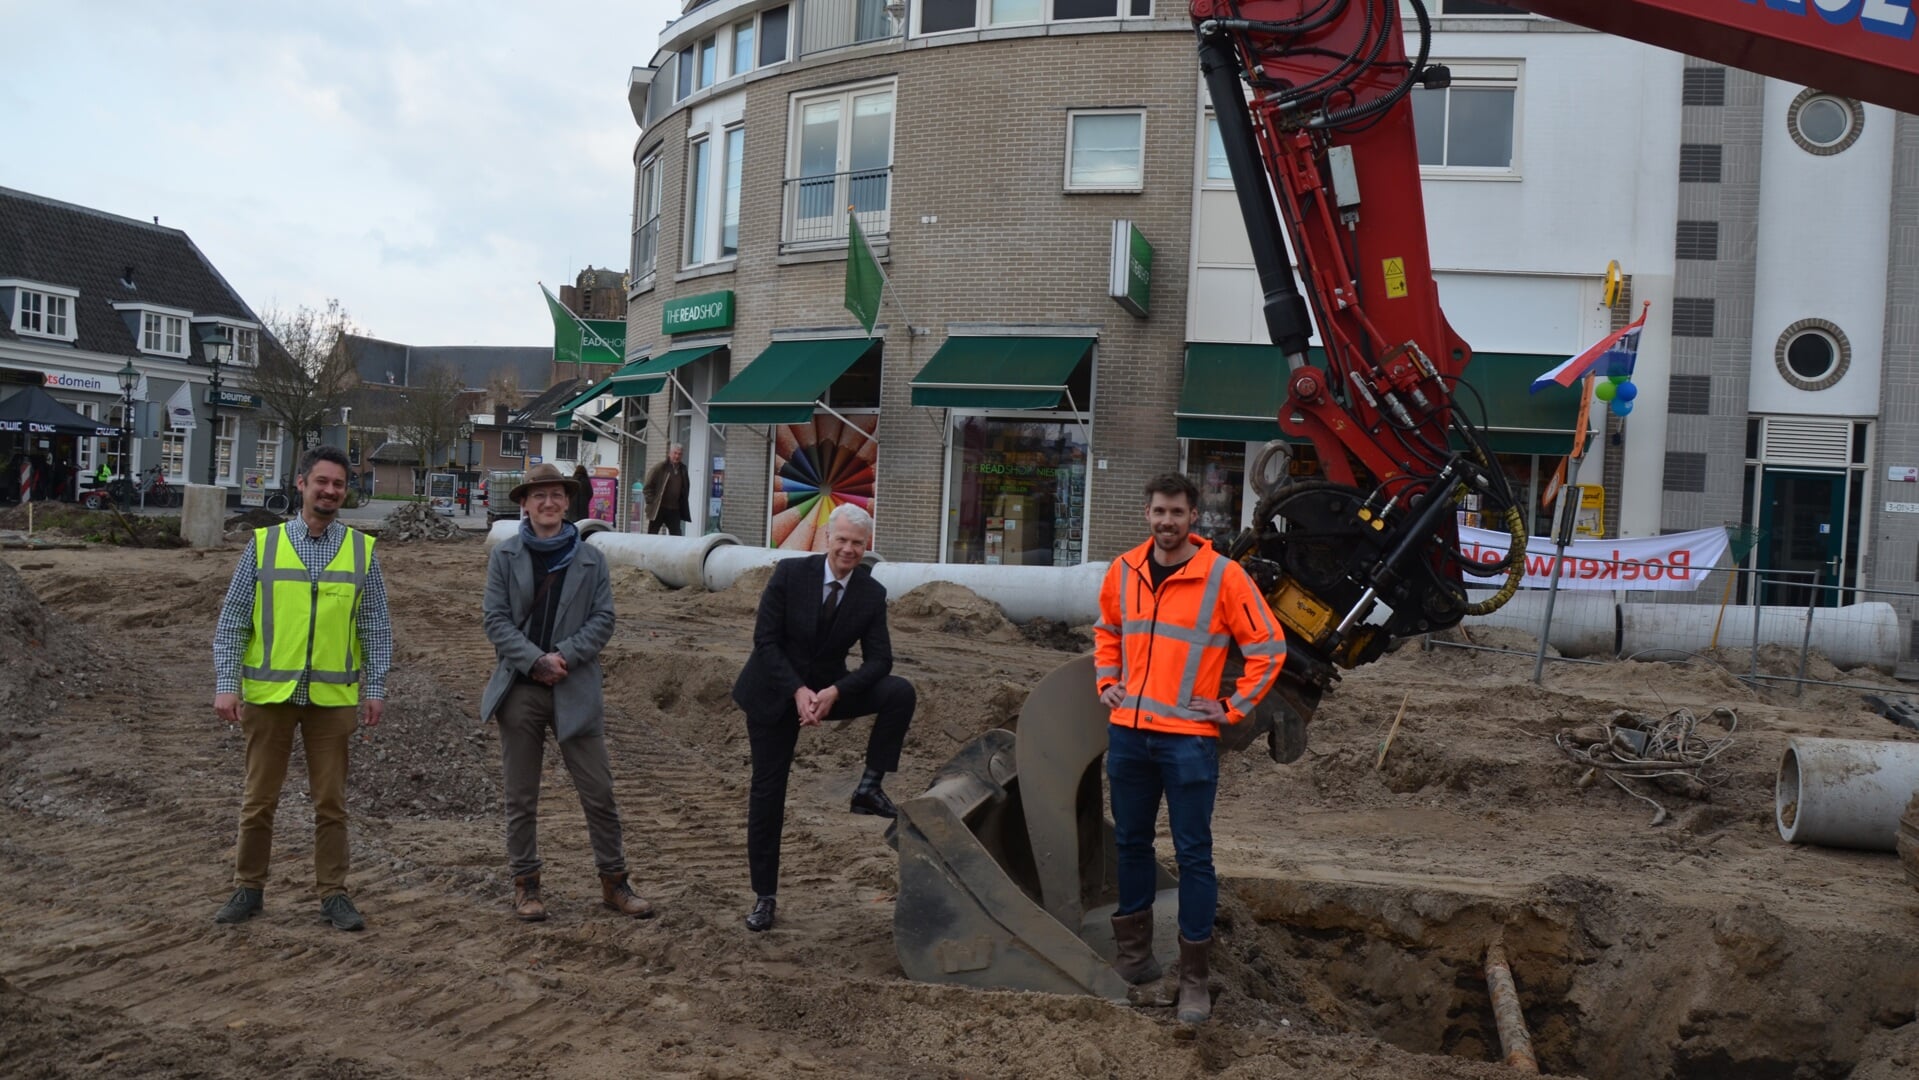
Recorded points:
(1822, 123)
(1812, 354)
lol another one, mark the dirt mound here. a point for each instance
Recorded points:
(740, 598)
(429, 758)
(70, 521)
(1058, 635)
(952, 609)
(48, 659)
(254, 517)
(633, 585)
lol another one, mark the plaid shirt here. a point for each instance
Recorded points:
(235, 629)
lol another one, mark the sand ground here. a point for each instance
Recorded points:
(1356, 902)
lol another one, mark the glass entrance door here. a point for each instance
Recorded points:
(1803, 518)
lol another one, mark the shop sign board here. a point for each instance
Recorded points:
(707, 311)
(232, 399)
(253, 487)
(1131, 273)
(441, 491)
(90, 382)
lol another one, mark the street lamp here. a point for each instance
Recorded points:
(129, 378)
(214, 348)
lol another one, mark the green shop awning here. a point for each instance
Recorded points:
(609, 413)
(1000, 373)
(783, 384)
(563, 417)
(1235, 393)
(1232, 393)
(644, 378)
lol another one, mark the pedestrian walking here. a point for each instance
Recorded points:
(548, 612)
(303, 644)
(667, 488)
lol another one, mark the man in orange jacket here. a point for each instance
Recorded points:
(1168, 611)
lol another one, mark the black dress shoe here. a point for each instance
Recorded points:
(761, 920)
(874, 802)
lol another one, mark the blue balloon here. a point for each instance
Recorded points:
(1621, 407)
(1626, 391)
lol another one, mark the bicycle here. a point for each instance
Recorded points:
(282, 500)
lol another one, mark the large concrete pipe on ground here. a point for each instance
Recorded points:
(1845, 792)
(500, 531)
(1067, 594)
(1857, 635)
(725, 565)
(679, 561)
(1584, 623)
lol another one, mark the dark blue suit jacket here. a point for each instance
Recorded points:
(790, 651)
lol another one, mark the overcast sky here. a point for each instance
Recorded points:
(425, 161)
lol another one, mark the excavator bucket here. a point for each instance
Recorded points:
(1007, 861)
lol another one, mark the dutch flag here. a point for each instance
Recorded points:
(1616, 351)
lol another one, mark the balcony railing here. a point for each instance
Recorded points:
(835, 24)
(646, 242)
(815, 207)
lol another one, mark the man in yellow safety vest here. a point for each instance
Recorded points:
(304, 640)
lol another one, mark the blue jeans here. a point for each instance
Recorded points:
(1141, 766)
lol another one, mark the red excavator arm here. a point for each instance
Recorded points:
(1313, 99)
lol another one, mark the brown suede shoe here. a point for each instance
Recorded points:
(526, 899)
(615, 893)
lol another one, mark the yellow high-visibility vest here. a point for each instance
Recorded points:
(302, 626)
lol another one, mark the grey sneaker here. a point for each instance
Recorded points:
(244, 904)
(341, 913)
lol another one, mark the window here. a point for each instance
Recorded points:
(266, 450)
(1217, 173)
(246, 345)
(842, 154)
(513, 444)
(165, 334)
(1105, 150)
(1813, 354)
(1472, 124)
(1823, 124)
(173, 454)
(646, 219)
(42, 313)
(1019, 491)
(709, 63)
(566, 446)
(940, 16)
(698, 199)
(773, 31)
(226, 430)
(734, 148)
(683, 85)
(742, 47)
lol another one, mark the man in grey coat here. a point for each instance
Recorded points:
(548, 613)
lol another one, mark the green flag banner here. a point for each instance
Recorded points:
(865, 281)
(584, 341)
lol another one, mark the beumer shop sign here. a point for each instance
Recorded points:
(90, 383)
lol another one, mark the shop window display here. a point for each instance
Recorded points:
(1018, 492)
(1219, 468)
(817, 466)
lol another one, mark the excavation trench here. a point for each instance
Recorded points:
(1613, 984)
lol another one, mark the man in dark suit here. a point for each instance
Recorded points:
(813, 612)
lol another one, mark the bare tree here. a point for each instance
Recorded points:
(427, 413)
(306, 368)
(503, 388)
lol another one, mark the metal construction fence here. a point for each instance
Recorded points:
(1770, 628)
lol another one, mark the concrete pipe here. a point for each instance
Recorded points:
(1584, 623)
(1067, 594)
(500, 531)
(725, 565)
(678, 561)
(1857, 635)
(1845, 792)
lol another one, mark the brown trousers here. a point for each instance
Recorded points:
(327, 732)
(525, 716)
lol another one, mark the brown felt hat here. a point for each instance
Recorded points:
(541, 474)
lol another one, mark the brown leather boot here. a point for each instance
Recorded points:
(615, 893)
(1195, 1001)
(526, 898)
(1133, 939)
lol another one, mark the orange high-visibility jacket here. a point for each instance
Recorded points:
(1169, 647)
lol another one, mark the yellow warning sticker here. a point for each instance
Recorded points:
(1395, 277)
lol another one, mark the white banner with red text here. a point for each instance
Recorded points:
(1676, 562)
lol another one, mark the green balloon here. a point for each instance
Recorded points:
(1605, 391)
(1618, 378)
